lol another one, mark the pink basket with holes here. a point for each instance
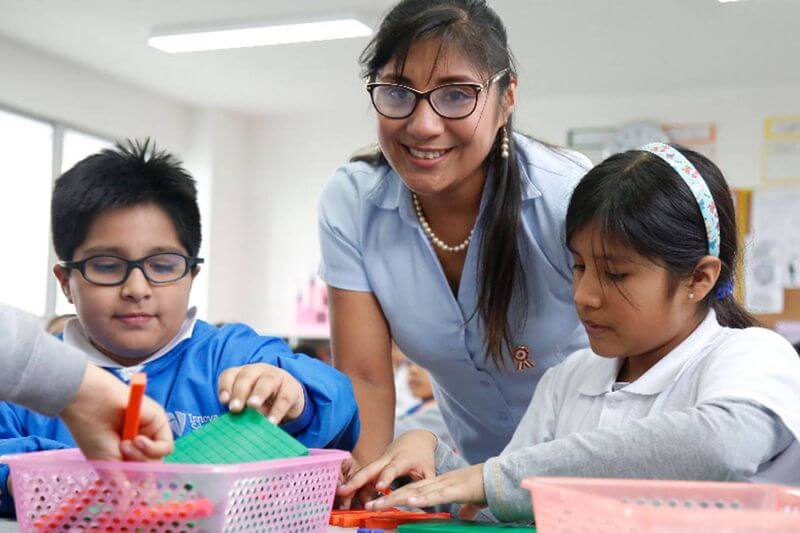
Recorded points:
(630, 505)
(62, 491)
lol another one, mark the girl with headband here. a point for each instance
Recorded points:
(678, 382)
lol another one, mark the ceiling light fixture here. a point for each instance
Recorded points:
(221, 39)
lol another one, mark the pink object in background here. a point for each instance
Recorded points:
(311, 316)
(595, 505)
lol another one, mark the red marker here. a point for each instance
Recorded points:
(130, 428)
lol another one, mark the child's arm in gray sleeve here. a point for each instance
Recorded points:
(723, 440)
(36, 370)
(447, 459)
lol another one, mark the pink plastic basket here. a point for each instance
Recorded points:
(629, 505)
(62, 491)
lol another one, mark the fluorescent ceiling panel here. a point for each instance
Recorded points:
(199, 41)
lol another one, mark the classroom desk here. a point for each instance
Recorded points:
(10, 526)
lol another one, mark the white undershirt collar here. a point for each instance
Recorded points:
(75, 335)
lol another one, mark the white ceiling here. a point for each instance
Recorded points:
(563, 46)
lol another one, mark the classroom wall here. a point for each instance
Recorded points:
(220, 155)
(293, 157)
(738, 112)
(38, 83)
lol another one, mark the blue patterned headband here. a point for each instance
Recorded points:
(698, 186)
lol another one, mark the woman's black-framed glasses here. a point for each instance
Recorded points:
(451, 100)
(111, 270)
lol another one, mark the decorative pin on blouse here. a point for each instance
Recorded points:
(522, 358)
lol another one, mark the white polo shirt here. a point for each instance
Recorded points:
(714, 362)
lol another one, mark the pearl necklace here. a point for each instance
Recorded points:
(432, 236)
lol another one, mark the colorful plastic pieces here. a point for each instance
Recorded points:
(387, 519)
(92, 510)
(462, 526)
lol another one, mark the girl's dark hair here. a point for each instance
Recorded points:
(130, 174)
(473, 28)
(638, 200)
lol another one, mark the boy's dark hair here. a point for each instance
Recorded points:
(639, 201)
(132, 173)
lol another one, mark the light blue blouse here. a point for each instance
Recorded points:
(371, 241)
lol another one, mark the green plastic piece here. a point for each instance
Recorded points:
(458, 526)
(236, 438)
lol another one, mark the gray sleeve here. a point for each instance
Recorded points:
(447, 460)
(723, 440)
(38, 371)
(430, 419)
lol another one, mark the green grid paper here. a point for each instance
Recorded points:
(236, 438)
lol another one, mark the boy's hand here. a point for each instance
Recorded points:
(412, 454)
(464, 485)
(269, 389)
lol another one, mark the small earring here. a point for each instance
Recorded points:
(691, 296)
(504, 144)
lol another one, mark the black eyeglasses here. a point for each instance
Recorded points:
(452, 100)
(110, 270)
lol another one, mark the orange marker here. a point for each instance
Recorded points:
(130, 427)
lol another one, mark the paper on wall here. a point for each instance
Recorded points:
(780, 159)
(763, 287)
(775, 217)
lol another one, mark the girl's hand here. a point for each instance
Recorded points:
(271, 390)
(357, 498)
(459, 486)
(412, 454)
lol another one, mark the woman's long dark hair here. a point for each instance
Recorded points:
(473, 28)
(637, 199)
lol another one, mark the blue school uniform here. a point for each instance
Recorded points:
(184, 381)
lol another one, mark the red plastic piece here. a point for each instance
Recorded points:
(386, 519)
(130, 427)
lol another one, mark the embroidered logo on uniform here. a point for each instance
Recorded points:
(179, 421)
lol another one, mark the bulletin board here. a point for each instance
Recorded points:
(790, 311)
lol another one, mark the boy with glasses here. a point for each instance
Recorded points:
(126, 227)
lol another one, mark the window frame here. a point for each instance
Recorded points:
(60, 128)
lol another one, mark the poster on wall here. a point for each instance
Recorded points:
(591, 142)
(775, 218)
(763, 286)
(597, 143)
(700, 137)
(780, 157)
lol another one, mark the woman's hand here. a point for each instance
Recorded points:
(412, 454)
(271, 390)
(459, 486)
